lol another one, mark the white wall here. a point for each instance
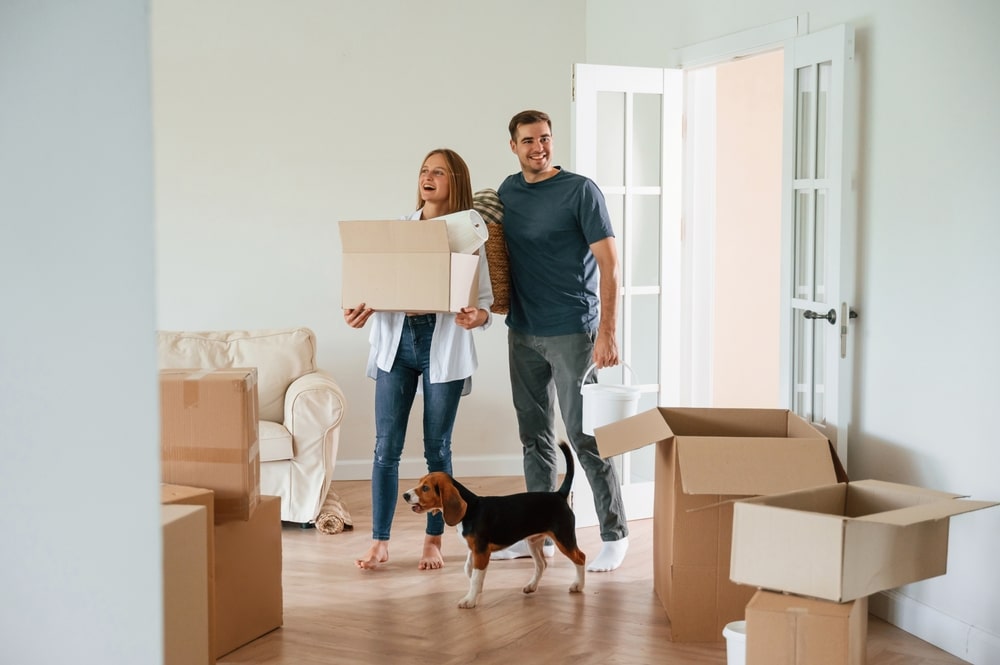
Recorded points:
(928, 357)
(274, 120)
(79, 496)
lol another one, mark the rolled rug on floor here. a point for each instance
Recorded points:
(333, 516)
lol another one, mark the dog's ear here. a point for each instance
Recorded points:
(452, 504)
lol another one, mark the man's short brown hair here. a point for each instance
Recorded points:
(528, 117)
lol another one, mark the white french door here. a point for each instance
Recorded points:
(818, 231)
(638, 164)
(627, 124)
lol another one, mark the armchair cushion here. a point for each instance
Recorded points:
(275, 442)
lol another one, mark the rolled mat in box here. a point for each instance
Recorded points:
(487, 203)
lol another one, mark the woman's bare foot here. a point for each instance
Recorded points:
(431, 558)
(376, 555)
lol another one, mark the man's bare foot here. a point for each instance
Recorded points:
(431, 558)
(376, 555)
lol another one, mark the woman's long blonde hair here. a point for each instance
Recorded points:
(460, 192)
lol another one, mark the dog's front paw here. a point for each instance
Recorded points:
(530, 587)
(576, 587)
(467, 603)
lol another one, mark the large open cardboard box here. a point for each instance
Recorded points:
(405, 265)
(792, 630)
(844, 541)
(705, 458)
(209, 436)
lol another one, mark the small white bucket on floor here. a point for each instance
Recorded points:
(604, 404)
(735, 633)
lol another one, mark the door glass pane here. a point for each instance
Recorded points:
(808, 368)
(799, 393)
(611, 139)
(803, 258)
(644, 239)
(646, 140)
(819, 332)
(819, 252)
(644, 348)
(804, 140)
(822, 106)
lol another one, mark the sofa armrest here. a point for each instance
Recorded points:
(314, 406)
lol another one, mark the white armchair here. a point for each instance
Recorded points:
(301, 406)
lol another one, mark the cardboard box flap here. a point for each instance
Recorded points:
(926, 512)
(632, 433)
(741, 422)
(394, 236)
(767, 601)
(750, 467)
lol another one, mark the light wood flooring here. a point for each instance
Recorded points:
(336, 613)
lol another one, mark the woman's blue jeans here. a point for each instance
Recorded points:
(394, 393)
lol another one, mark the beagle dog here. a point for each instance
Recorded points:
(491, 523)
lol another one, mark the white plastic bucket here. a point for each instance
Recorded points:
(604, 404)
(735, 633)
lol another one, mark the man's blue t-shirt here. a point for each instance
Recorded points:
(549, 227)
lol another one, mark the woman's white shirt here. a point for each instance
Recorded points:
(453, 350)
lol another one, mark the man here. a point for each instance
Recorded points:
(563, 303)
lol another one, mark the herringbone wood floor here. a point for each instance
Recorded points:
(336, 613)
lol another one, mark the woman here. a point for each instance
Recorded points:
(435, 350)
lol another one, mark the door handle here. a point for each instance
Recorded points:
(830, 316)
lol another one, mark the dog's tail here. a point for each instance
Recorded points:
(568, 480)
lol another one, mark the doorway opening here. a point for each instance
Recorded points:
(733, 153)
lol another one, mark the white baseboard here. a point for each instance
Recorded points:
(415, 467)
(958, 638)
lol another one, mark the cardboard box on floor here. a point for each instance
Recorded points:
(185, 585)
(704, 459)
(844, 541)
(248, 593)
(405, 265)
(196, 496)
(792, 630)
(209, 436)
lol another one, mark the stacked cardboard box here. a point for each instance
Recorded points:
(186, 621)
(179, 495)
(242, 566)
(832, 546)
(844, 541)
(209, 436)
(705, 458)
(210, 457)
(248, 577)
(793, 630)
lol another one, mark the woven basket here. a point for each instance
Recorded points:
(487, 203)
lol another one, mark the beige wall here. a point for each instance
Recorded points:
(748, 231)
